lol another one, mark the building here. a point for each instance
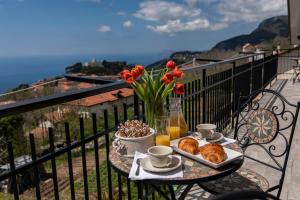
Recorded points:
(93, 63)
(103, 101)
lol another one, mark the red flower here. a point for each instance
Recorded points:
(123, 73)
(171, 64)
(127, 76)
(168, 78)
(137, 71)
(140, 68)
(177, 73)
(178, 88)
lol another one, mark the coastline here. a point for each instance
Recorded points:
(30, 69)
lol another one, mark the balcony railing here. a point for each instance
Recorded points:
(212, 93)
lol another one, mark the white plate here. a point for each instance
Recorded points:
(146, 165)
(231, 154)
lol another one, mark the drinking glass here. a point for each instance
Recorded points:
(162, 136)
(173, 126)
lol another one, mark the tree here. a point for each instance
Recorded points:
(12, 129)
(20, 87)
(76, 68)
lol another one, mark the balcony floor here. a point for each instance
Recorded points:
(291, 184)
(292, 179)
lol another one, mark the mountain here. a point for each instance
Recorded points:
(267, 31)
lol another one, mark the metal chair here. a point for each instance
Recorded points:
(296, 70)
(246, 195)
(260, 126)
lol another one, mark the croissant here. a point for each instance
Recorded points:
(189, 145)
(213, 153)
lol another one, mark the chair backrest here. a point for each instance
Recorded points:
(267, 121)
(246, 195)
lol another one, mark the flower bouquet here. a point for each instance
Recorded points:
(154, 89)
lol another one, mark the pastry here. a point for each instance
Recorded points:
(213, 153)
(189, 145)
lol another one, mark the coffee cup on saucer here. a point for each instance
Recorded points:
(206, 130)
(159, 156)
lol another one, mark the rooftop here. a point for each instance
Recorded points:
(106, 97)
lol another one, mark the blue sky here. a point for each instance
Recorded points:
(65, 27)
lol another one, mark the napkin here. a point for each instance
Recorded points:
(178, 173)
(226, 141)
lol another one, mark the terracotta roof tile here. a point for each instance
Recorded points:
(39, 132)
(84, 85)
(103, 98)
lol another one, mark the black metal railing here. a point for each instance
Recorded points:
(285, 59)
(212, 93)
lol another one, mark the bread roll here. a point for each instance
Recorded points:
(189, 145)
(213, 153)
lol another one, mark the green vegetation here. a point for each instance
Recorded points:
(12, 128)
(92, 185)
(62, 159)
(79, 185)
(4, 196)
(99, 68)
(20, 87)
(161, 64)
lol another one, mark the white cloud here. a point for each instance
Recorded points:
(173, 26)
(175, 17)
(127, 24)
(121, 13)
(191, 3)
(250, 10)
(171, 17)
(218, 26)
(165, 10)
(104, 29)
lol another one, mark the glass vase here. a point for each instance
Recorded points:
(153, 110)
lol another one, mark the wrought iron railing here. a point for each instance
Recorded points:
(212, 92)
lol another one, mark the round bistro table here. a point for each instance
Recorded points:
(194, 172)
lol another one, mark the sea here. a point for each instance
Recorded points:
(29, 69)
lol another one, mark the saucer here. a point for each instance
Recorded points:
(216, 137)
(146, 165)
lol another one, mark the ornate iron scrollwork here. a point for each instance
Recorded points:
(260, 124)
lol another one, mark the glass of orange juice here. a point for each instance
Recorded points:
(173, 127)
(162, 137)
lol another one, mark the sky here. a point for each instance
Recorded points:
(70, 27)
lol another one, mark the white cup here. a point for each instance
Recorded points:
(207, 130)
(159, 156)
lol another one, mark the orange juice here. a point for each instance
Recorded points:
(177, 119)
(173, 131)
(162, 140)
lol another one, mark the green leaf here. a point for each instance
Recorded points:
(158, 81)
(139, 89)
(159, 91)
(168, 89)
(164, 96)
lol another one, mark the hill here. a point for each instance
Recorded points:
(270, 31)
(98, 68)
